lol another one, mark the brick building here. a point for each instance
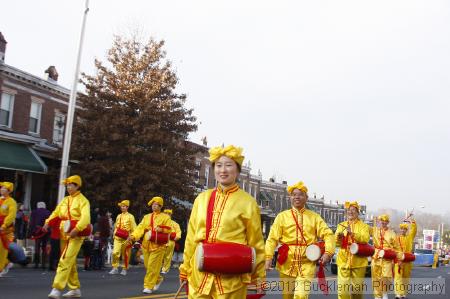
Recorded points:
(32, 116)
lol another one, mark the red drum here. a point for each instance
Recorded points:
(387, 254)
(69, 225)
(121, 233)
(2, 219)
(408, 257)
(362, 249)
(55, 222)
(172, 236)
(158, 238)
(225, 258)
(315, 251)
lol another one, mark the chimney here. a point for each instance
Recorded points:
(52, 73)
(3, 43)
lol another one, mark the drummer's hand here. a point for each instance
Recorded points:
(325, 259)
(268, 265)
(158, 229)
(130, 239)
(73, 233)
(45, 228)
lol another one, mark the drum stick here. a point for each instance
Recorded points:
(179, 289)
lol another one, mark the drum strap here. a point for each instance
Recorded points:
(299, 228)
(209, 213)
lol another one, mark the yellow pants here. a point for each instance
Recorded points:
(121, 248)
(381, 277)
(4, 251)
(351, 283)
(297, 287)
(67, 274)
(214, 294)
(153, 262)
(168, 256)
(402, 279)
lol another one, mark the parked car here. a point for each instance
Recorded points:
(334, 267)
(424, 257)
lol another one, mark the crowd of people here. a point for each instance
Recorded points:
(224, 249)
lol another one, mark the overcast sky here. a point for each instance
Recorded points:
(352, 97)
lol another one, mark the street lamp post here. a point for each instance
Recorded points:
(71, 109)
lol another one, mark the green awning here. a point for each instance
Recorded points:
(16, 156)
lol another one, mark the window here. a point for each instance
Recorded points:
(35, 117)
(58, 128)
(6, 109)
(206, 176)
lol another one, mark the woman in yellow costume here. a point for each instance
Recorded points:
(171, 245)
(124, 225)
(351, 268)
(153, 252)
(383, 269)
(295, 229)
(74, 207)
(225, 214)
(8, 210)
(402, 271)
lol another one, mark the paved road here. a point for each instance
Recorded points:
(24, 283)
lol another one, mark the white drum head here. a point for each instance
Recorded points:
(253, 260)
(381, 253)
(199, 257)
(403, 256)
(354, 248)
(313, 252)
(148, 235)
(66, 227)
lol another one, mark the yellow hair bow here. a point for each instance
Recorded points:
(349, 204)
(125, 202)
(232, 152)
(403, 226)
(75, 179)
(384, 217)
(159, 200)
(8, 185)
(300, 186)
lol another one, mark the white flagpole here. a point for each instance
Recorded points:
(71, 110)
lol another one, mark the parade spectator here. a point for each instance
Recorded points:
(37, 221)
(21, 225)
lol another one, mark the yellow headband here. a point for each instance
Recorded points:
(349, 204)
(403, 226)
(168, 211)
(159, 200)
(8, 185)
(232, 152)
(384, 217)
(75, 179)
(300, 186)
(125, 202)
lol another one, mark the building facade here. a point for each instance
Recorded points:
(32, 118)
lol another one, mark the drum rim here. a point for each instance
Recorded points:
(199, 257)
(67, 229)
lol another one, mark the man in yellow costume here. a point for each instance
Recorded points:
(402, 271)
(73, 207)
(226, 214)
(295, 229)
(384, 239)
(351, 268)
(124, 225)
(153, 252)
(171, 245)
(8, 210)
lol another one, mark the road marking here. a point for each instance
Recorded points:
(160, 296)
